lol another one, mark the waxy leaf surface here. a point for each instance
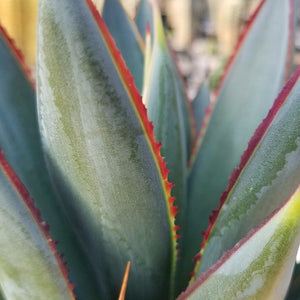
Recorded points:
(200, 105)
(101, 152)
(144, 17)
(259, 266)
(252, 81)
(30, 267)
(127, 38)
(268, 173)
(163, 103)
(20, 141)
(185, 104)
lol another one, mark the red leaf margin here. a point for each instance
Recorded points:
(227, 254)
(238, 47)
(36, 215)
(17, 53)
(141, 113)
(247, 155)
(229, 64)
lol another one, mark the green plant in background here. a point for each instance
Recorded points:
(104, 187)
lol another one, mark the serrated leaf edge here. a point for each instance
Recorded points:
(253, 144)
(36, 216)
(141, 112)
(227, 254)
(229, 64)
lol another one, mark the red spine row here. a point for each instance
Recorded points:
(140, 108)
(36, 215)
(252, 146)
(216, 92)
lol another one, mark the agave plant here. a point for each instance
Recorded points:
(96, 162)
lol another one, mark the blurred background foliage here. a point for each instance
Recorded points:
(202, 32)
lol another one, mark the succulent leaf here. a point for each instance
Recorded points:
(243, 99)
(102, 154)
(144, 17)
(259, 266)
(105, 186)
(164, 109)
(200, 105)
(268, 173)
(20, 141)
(30, 265)
(186, 106)
(127, 38)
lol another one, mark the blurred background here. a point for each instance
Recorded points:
(203, 33)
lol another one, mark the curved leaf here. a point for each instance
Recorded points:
(30, 267)
(253, 78)
(259, 266)
(164, 110)
(171, 62)
(127, 38)
(20, 140)
(268, 173)
(101, 152)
